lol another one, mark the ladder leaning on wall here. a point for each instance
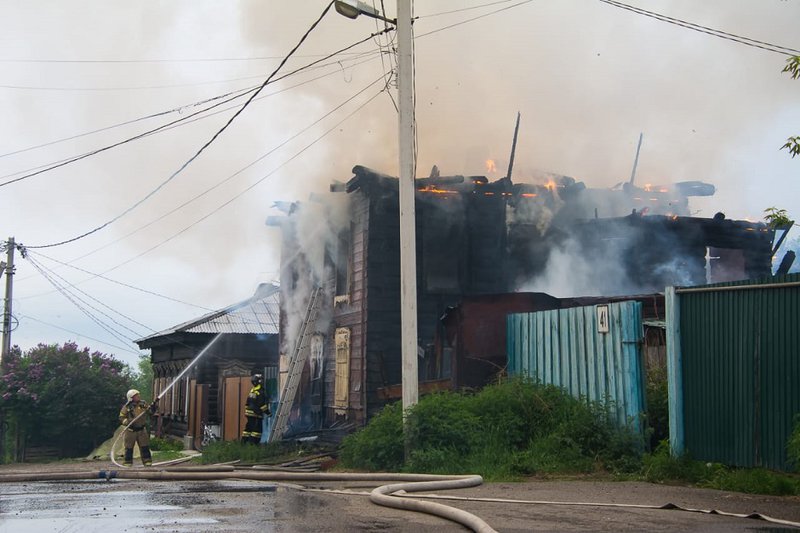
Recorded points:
(297, 362)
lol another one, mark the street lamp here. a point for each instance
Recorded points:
(406, 189)
(353, 8)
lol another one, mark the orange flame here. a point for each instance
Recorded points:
(435, 190)
(490, 166)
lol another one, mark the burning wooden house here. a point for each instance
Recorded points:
(474, 237)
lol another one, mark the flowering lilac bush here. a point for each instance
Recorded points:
(63, 396)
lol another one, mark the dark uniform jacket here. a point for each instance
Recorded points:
(257, 404)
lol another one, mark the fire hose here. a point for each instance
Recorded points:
(393, 495)
(381, 495)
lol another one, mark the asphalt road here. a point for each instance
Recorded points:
(236, 505)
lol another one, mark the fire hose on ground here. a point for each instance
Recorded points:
(394, 495)
(381, 495)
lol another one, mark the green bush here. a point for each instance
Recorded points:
(379, 445)
(515, 428)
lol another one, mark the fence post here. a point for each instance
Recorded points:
(674, 373)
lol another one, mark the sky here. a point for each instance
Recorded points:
(172, 240)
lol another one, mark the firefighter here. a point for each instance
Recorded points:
(255, 408)
(133, 416)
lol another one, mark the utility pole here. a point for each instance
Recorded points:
(407, 193)
(7, 304)
(6, 348)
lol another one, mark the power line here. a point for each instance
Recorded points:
(79, 334)
(202, 148)
(184, 120)
(101, 276)
(147, 133)
(465, 9)
(250, 187)
(187, 60)
(116, 334)
(705, 29)
(126, 123)
(188, 119)
(213, 187)
(474, 18)
(218, 184)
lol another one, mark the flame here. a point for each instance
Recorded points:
(529, 195)
(435, 190)
(551, 185)
(490, 166)
(655, 188)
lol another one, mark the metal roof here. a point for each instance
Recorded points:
(257, 315)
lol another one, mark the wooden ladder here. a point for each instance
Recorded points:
(297, 362)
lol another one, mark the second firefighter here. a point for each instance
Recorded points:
(255, 409)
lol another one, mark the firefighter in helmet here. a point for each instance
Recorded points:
(255, 409)
(133, 416)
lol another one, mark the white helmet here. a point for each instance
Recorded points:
(131, 393)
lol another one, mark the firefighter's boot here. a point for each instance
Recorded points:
(147, 458)
(128, 461)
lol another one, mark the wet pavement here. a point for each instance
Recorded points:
(132, 505)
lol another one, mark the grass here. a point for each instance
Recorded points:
(223, 452)
(661, 467)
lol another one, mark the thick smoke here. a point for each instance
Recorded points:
(311, 236)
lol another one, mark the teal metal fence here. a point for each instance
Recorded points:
(594, 352)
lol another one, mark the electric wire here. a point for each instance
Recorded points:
(202, 148)
(188, 60)
(178, 109)
(220, 183)
(705, 29)
(228, 202)
(48, 167)
(250, 187)
(474, 18)
(465, 9)
(29, 317)
(68, 287)
(110, 330)
(120, 283)
(72, 286)
(189, 119)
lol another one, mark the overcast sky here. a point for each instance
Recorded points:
(587, 77)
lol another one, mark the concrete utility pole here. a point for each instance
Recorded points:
(406, 192)
(7, 304)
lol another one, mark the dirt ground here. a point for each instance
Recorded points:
(247, 506)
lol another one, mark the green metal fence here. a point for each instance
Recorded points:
(735, 370)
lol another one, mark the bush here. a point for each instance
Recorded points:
(514, 428)
(657, 415)
(379, 445)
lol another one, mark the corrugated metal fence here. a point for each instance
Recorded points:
(735, 370)
(564, 347)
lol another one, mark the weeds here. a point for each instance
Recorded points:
(661, 467)
(223, 452)
(793, 445)
(503, 432)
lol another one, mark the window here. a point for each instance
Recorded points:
(342, 385)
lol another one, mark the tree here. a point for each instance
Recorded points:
(793, 68)
(777, 218)
(63, 396)
(143, 380)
